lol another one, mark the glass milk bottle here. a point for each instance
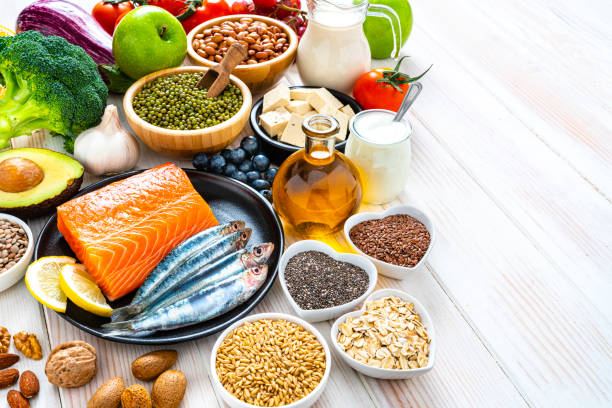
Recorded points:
(334, 51)
(380, 148)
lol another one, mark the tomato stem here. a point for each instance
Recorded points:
(189, 9)
(395, 78)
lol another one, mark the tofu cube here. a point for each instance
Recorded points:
(322, 97)
(293, 133)
(299, 107)
(276, 98)
(343, 120)
(300, 94)
(346, 109)
(274, 122)
(328, 110)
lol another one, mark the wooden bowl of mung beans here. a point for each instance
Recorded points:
(271, 46)
(188, 122)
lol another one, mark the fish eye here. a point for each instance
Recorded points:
(243, 235)
(258, 251)
(257, 271)
(235, 226)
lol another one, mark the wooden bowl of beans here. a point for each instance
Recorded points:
(199, 125)
(271, 46)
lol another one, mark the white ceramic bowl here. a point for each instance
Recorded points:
(385, 373)
(305, 402)
(16, 273)
(385, 268)
(319, 315)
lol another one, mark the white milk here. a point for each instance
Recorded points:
(380, 148)
(334, 51)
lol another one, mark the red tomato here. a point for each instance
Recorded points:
(121, 18)
(373, 95)
(106, 13)
(242, 7)
(265, 4)
(208, 10)
(377, 89)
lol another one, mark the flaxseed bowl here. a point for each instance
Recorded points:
(245, 367)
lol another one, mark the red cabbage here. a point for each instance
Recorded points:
(67, 20)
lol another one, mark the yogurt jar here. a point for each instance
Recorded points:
(380, 148)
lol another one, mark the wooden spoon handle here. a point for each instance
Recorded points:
(235, 54)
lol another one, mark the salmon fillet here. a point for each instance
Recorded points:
(121, 231)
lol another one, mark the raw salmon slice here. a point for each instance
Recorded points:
(121, 231)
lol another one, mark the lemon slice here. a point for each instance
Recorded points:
(82, 290)
(42, 280)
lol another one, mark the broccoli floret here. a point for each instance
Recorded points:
(50, 84)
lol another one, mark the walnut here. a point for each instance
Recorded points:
(5, 339)
(28, 344)
(71, 364)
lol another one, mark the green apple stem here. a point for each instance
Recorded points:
(163, 31)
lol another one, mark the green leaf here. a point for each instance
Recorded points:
(118, 82)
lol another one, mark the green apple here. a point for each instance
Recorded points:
(148, 39)
(378, 29)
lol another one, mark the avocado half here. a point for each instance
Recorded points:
(35, 181)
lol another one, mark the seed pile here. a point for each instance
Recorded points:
(317, 281)
(270, 363)
(13, 244)
(174, 102)
(263, 42)
(397, 239)
(388, 335)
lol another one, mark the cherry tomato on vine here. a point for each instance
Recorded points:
(242, 7)
(265, 4)
(383, 88)
(106, 12)
(195, 12)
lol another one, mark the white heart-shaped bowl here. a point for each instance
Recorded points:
(16, 273)
(319, 315)
(385, 373)
(305, 402)
(385, 268)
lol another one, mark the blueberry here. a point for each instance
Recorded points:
(216, 163)
(252, 176)
(267, 194)
(239, 175)
(261, 162)
(237, 156)
(261, 184)
(200, 161)
(226, 153)
(270, 174)
(229, 169)
(250, 145)
(246, 166)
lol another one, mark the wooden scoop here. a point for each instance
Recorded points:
(217, 77)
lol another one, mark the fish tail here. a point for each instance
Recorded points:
(117, 328)
(126, 312)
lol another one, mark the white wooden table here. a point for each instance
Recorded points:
(512, 156)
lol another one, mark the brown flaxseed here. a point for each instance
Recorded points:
(13, 244)
(397, 239)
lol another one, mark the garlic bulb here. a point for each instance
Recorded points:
(107, 148)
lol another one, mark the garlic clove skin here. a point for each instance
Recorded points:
(107, 148)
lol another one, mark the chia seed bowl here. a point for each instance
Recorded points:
(318, 315)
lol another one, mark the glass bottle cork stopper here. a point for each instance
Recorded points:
(320, 133)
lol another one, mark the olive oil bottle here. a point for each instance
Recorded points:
(317, 188)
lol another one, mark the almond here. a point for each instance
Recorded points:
(150, 365)
(16, 400)
(7, 360)
(8, 377)
(28, 384)
(169, 389)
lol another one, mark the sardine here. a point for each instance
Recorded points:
(183, 252)
(211, 274)
(199, 307)
(219, 248)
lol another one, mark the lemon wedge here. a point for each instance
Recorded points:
(82, 290)
(42, 280)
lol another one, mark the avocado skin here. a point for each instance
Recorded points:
(46, 206)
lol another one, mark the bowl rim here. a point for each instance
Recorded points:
(259, 131)
(27, 255)
(271, 316)
(128, 98)
(293, 40)
(395, 210)
(419, 308)
(313, 245)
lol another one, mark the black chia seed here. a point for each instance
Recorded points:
(317, 281)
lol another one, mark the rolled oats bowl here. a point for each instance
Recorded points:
(405, 346)
(268, 339)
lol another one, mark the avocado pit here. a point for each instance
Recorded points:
(18, 174)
